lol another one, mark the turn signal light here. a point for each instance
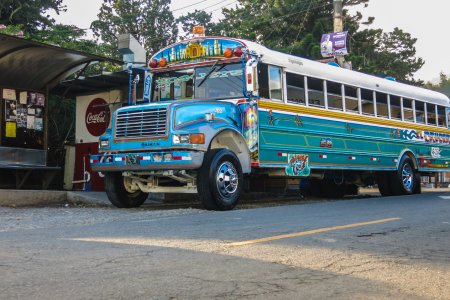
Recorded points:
(197, 138)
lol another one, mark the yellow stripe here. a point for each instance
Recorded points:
(309, 232)
(347, 116)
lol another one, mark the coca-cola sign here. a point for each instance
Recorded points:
(97, 117)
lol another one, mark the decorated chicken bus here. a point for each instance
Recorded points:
(218, 110)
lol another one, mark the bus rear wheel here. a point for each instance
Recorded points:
(120, 192)
(406, 180)
(220, 180)
(384, 183)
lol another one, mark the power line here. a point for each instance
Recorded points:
(177, 9)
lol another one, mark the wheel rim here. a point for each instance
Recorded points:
(407, 177)
(128, 185)
(227, 179)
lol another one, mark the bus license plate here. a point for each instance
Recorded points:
(132, 160)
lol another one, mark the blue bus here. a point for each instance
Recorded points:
(221, 110)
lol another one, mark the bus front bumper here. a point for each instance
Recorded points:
(167, 160)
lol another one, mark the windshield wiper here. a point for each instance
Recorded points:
(210, 72)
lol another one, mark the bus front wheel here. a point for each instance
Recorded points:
(220, 180)
(120, 192)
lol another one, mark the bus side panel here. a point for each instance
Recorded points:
(340, 144)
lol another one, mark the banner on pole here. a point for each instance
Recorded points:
(334, 44)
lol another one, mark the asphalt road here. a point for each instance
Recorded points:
(372, 248)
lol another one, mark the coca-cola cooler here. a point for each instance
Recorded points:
(93, 118)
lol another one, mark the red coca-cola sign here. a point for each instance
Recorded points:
(97, 117)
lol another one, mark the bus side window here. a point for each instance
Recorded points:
(441, 116)
(315, 92)
(275, 83)
(295, 88)
(408, 112)
(334, 94)
(396, 112)
(420, 112)
(367, 102)
(263, 81)
(351, 99)
(431, 114)
(382, 107)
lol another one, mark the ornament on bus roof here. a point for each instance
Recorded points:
(198, 30)
(198, 49)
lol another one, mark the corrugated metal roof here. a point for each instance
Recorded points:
(30, 65)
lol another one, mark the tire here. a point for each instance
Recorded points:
(220, 180)
(384, 184)
(117, 193)
(404, 180)
(418, 186)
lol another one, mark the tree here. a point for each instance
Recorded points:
(150, 22)
(443, 86)
(31, 15)
(386, 54)
(296, 26)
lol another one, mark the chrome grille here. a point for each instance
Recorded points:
(141, 123)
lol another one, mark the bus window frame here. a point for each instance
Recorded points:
(281, 69)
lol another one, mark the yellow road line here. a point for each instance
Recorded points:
(309, 232)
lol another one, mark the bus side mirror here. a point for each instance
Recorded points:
(251, 78)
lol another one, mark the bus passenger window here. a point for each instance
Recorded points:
(382, 107)
(441, 115)
(315, 92)
(396, 110)
(408, 113)
(295, 88)
(420, 112)
(431, 114)
(351, 99)
(334, 94)
(275, 83)
(367, 102)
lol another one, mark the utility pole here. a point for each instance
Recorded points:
(337, 23)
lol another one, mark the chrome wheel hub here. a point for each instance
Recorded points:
(227, 179)
(407, 177)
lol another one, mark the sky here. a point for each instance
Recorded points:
(427, 23)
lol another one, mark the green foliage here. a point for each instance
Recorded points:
(30, 15)
(150, 22)
(443, 86)
(386, 54)
(296, 27)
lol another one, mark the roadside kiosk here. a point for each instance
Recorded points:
(28, 71)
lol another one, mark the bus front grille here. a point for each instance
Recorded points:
(150, 123)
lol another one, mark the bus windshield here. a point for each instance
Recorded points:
(220, 81)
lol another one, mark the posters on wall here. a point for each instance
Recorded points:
(9, 94)
(10, 110)
(23, 118)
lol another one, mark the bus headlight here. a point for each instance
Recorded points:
(194, 138)
(104, 143)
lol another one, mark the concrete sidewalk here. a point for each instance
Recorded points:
(26, 198)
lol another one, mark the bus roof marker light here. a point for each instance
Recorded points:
(153, 63)
(238, 51)
(228, 53)
(162, 62)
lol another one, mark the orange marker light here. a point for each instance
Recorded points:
(162, 62)
(197, 138)
(228, 53)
